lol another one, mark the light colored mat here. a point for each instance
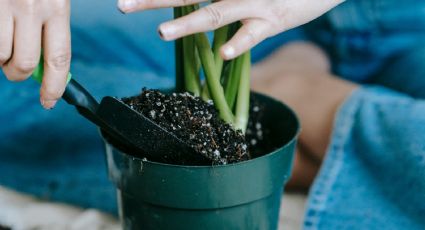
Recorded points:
(23, 212)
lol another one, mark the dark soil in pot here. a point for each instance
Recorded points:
(198, 123)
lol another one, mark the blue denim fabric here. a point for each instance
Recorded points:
(58, 155)
(373, 176)
(362, 37)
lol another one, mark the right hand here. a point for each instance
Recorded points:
(260, 18)
(25, 27)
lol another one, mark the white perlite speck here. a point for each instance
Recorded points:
(259, 133)
(258, 125)
(244, 146)
(153, 114)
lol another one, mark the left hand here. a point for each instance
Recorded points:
(260, 18)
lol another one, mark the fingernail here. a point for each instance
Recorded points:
(161, 34)
(228, 52)
(167, 32)
(127, 5)
(48, 104)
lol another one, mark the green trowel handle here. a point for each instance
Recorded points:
(37, 75)
(74, 93)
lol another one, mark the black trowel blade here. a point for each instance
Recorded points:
(154, 142)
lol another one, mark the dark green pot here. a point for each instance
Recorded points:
(245, 195)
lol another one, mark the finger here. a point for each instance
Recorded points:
(57, 58)
(26, 48)
(6, 35)
(128, 6)
(250, 34)
(208, 18)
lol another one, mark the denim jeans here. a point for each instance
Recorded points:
(373, 174)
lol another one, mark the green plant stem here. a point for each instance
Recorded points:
(178, 49)
(220, 37)
(212, 77)
(226, 71)
(195, 51)
(191, 78)
(242, 104)
(205, 94)
(191, 65)
(233, 79)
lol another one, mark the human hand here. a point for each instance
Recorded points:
(260, 18)
(25, 27)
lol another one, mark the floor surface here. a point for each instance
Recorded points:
(22, 212)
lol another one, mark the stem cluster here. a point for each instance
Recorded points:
(227, 83)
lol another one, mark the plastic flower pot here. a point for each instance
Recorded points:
(244, 195)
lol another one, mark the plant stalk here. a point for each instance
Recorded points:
(232, 84)
(178, 49)
(205, 94)
(242, 104)
(220, 37)
(194, 51)
(191, 78)
(190, 66)
(212, 77)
